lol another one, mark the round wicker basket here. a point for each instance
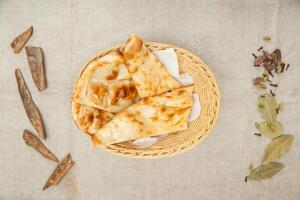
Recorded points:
(205, 86)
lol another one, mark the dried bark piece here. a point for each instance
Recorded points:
(60, 171)
(31, 109)
(35, 59)
(34, 142)
(21, 40)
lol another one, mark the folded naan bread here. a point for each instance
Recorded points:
(157, 115)
(149, 75)
(106, 84)
(89, 119)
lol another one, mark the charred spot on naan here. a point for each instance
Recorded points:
(163, 109)
(123, 91)
(112, 76)
(181, 91)
(98, 91)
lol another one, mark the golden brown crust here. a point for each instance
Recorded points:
(106, 84)
(149, 75)
(133, 45)
(151, 116)
(89, 119)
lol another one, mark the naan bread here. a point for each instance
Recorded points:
(166, 113)
(149, 75)
(106, 84)
(89, 119)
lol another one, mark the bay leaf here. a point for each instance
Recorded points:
(267, 107)
(265, 171)
(270, 130)
(277, 148)
(250, 168)
(261, 86)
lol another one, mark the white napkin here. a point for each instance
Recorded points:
(168, 58)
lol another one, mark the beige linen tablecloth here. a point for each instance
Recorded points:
(223, 33)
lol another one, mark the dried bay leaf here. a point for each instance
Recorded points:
(34, 142)
(31, 109)
(267, 107)
(60, 171)
(265, 171)
(261, 86)
(35, 59)
(270, 130)
(250, 168)
(277, 148)
(18, 43)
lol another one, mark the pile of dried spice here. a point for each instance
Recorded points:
(35, 59)
(267, 106)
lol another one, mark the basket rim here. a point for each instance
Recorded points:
(111, 148)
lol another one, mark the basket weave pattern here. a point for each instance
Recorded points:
(205, 86)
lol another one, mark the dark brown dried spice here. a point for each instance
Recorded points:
(258, 80)
(260, 48)
(60, 171)
(259, 60)
(18, 43)
(276, 54)
(271, 74)
(31, 109)
(269, 67)
(257, 134)
(274, 85)
(287, 67)
(273, 94)
(267, 55)
(282, 67)
(35, 59)
(254, 55)
(34, 142)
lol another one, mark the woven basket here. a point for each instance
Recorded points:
(205, 86)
